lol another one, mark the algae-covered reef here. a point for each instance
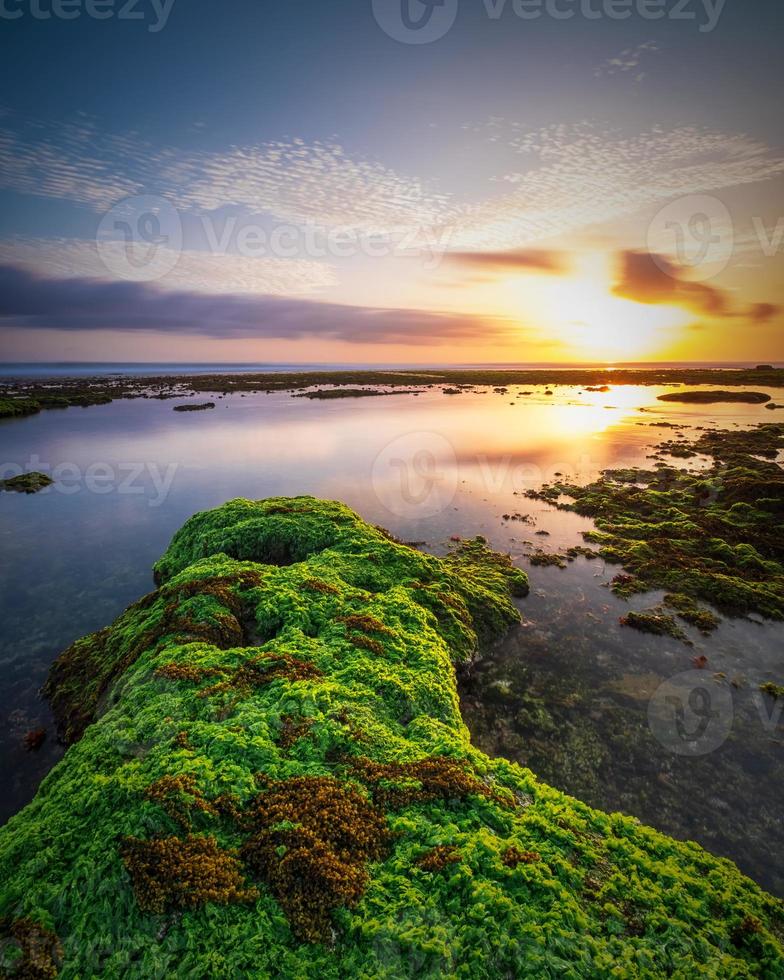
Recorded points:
(27, 483)
(23, 396)
(269, 776)
(714, 535)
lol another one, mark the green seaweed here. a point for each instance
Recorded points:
(713, 535)
(27, 483)
(654, 621)
(184, 834)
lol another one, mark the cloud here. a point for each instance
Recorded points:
(294, 181)
(512, 260)
(573, 177)
(197, 271)
(33, 302)
(627, 60)
(655, 280)
(579, 176)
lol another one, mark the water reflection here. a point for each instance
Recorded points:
(567, 694)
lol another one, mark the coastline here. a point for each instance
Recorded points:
(26, 396)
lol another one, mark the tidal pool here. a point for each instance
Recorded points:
(571, 693)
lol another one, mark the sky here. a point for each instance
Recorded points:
(391, 181)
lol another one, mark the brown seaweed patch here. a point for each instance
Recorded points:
(395, 785)
(178, 797)
(316, 585)
(438, 858)
(313, 837)
(292, 729)
(41, 950)
(174, 873)
(513, 856)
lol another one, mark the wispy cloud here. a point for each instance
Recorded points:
(582, 176)
(627, 60)
(34, 302)
(512, 260)
(294, 181)
(570, 179)
(190, 270)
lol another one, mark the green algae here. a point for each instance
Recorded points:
(180, 837)
(655, 621)
(27, 483)
(11, 408)
(691, 612)
(713, 535)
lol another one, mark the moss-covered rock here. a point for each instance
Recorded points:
(11, 408)
(270, 777)
(27, 483)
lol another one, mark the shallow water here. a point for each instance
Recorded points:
(570, 693)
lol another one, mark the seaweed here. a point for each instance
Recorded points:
(438, 858)
(654, 621)
(40, 952)
(275, 826)
(713, 535)
(27, 483)
(183, 873)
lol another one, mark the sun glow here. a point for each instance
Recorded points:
(590, 321)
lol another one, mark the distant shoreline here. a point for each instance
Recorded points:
(24, 396)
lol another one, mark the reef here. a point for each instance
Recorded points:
(23, 396)
(269, 776)
(198, 407)
(655, 621)
(709, 397)
(327, 394)
(11, 408)
(713, 535)
(27, 483)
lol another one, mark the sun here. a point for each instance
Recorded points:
(590, 321)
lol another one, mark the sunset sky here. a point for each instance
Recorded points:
(298, 182)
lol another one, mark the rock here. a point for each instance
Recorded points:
(200, 407)
(709, 397)
(27, 483)
(269, 774)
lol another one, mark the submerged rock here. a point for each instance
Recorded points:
(709, 397)
(27, 483)
(270, 777)
(200, 407)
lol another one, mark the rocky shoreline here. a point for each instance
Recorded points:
(21, 397)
